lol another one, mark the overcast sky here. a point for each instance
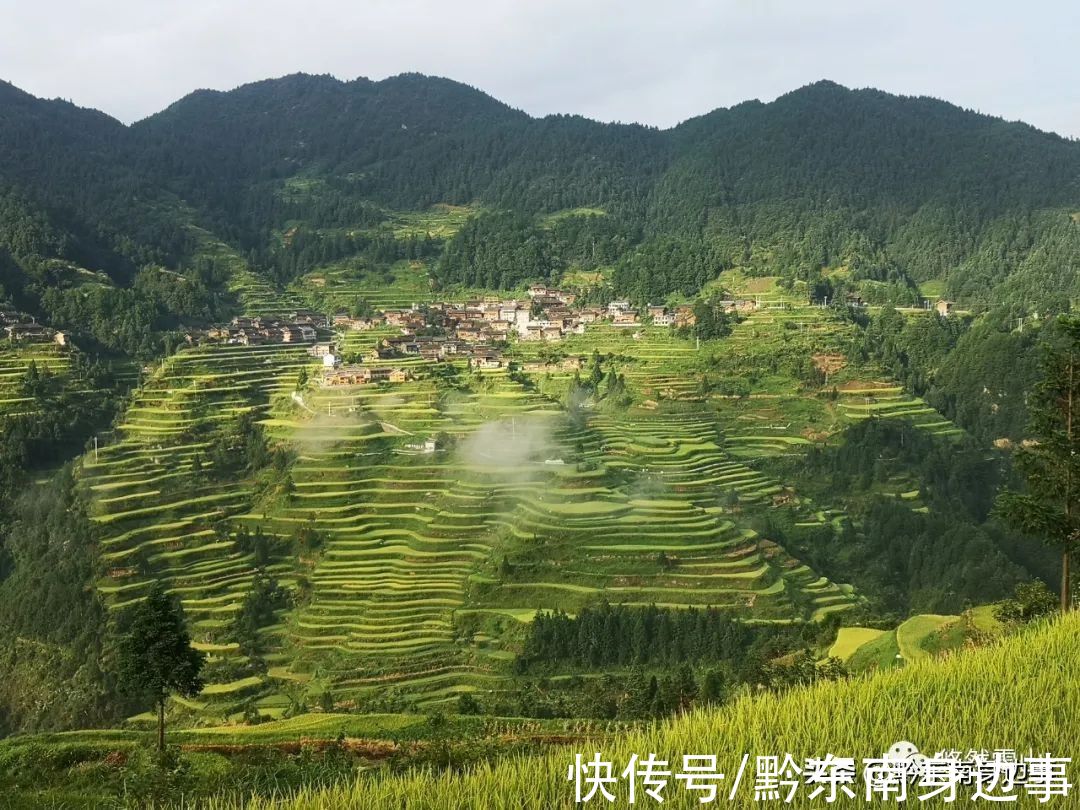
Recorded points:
(614, 60)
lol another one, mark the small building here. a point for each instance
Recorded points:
(399, 375)
(684, 316)
(330, 360)
(29, 332)
(321, 349)
(944, 308)
(616, 307)
(486, 360)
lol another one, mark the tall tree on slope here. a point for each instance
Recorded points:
(1050, 462)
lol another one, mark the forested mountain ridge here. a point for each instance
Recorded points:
(890, 191)
(72, 168)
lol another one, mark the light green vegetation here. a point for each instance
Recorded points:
(431, 565)
(933, 288)
(1032, 681)
(439, 222)
(920, 636)
(15, 359)
(567, 213)
(850, 639)
(912, 635)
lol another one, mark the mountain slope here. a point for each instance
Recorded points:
(892, 190)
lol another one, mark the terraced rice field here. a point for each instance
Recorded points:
(432, 562)
(408, 593)
(157, 517)
(15, 359)
(342, 286)
(885, 401)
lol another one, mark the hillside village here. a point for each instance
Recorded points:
(18, 327)
(478, 330)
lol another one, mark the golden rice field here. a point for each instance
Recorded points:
(1022, 693)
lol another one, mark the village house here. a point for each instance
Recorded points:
(308, 317)
(625, 317)
(590, 315)
(29, 332)
(566, 364)
(486, 359)
(321, 349)
(395, 317)
(738, 305)
(362, 375)
(249, 337)
(615, 307)
(944, 308)
(684, 316)
(545, 301)
(343, 320)
(660, 315)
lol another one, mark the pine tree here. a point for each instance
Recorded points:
(1050, 508)
(155, 654)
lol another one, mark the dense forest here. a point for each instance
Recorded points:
(894, 190)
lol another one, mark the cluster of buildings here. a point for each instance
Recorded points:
(22, 328)
(478, 329)
(301, 326)
(359, 374)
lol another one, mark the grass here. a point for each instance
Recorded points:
(850, 639)
(912, 635)
(1022, 693)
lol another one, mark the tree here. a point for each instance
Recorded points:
(1050, 464)
(155, 653)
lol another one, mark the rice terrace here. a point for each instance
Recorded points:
(376, 444)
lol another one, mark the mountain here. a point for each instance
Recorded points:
(889, 191)
(71, 170)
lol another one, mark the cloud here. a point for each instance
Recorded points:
(634, 60)
(512, 447)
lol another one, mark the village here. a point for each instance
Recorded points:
(22, 328)
(478, 331)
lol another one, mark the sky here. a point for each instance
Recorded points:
(651, 62)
